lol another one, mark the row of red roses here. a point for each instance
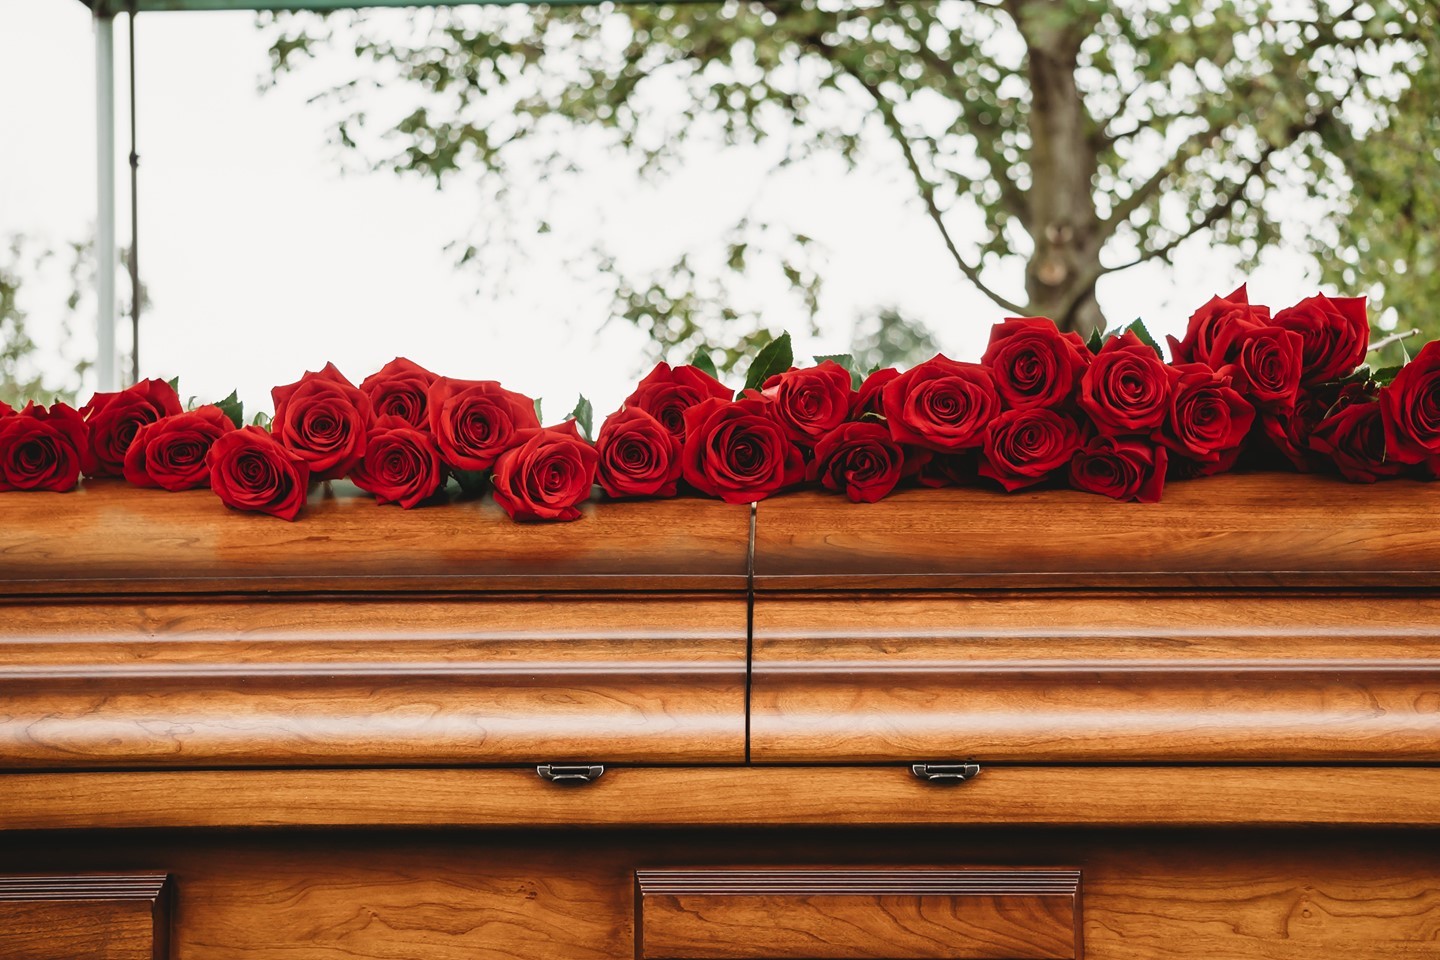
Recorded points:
(1109, 417)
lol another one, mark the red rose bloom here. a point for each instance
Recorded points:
(43, 449)
(114, 419)
(250, 470)
(667, 392)
(1411, 405)
(1025, 446)
(170, 453)
(1210, 322)
(322, 419)
(474, 421)
(810, 403)
(736, 451)
(1209, 419)
(1124, 468)
(400, 389)
(868, 399)
(639, 457)
(1126, 389)
(547, 476)
(860, 458)
(6, 410)
(402, 464)
(1035, 365)
(941, 405)
(1354, 441)
(1335, 333)
(1267, 360)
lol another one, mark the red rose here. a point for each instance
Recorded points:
(1267, 360)
(1335, 332)
(941, 405)
(43, 449)
(547, 475)
(1411, 405)
(860, 458)
(868, 399)
(1025, 446)
(947, 469)
(402, 464)
(170, 453)
(1209, 419)
(399, 389)
(1354, 441)
(114, 418)
(1126, 388)
(1212, 320)
(667, 392)
(322, 419)
(810, 403)
(251, 470)
(1124, 468)
(736, 451)
(639, 457)
(6, 410)
(1035, 365)
(474, 421)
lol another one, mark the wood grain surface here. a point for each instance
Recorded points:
(266, 682)
(1090, 678)
(1264, 529)
(1148, 895)
(1188, 796)
(107, 537)
(84, 917)
(895, 914)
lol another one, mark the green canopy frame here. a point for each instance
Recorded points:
(107, 317)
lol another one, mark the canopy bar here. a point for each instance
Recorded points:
(111, 7)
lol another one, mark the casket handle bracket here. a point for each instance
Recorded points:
(945, 773)
(570, 774)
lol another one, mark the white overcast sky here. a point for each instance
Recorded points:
(264, 261)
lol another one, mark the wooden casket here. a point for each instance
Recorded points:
(953, 724)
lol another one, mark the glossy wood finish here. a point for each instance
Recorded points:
(263, 682)
(896, 914)
(107, 537)
(1091, 796)
(1267, 529)
(1096, 678)
(533, 896)
(84, 917)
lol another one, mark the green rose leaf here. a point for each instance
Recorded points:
(705, 363)
(1138, 328)
(472, 482)
(262, 419)
(846, 361)
(174, 384)
(538, 415)
(1096, 341)
(777, 356)
(584, 415)
(1386, 375)
(233, 408)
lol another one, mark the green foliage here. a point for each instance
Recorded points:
(1143, 334)
(584, 417)
(777, 356)
(702, 362)
(848, 362)
(233, 408)
(890, 339)
(21, 380)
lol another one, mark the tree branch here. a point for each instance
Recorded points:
(1384, 342)
(1125, 208)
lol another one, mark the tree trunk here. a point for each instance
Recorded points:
(1061, 217)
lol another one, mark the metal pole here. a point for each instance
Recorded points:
(135, 297)
(105, 360)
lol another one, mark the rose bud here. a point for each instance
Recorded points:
(400, 389)
(667, 392)
(810, 403)
(639, 457)
(1126, 388)
(474, 421)
(1035, 365)
(43, 449)
(868, 398)
(402, 464)
(1123, 468)
(322, 419)
(1411, 405)
(1354, 441)
(1208, 420)
(941, 405)
(250, 470)
(1267, 361)
(1335, 333)
(1025, 446)
(547, 476)
(860, 458)
(170, 453)
(735, 450)
(114, 419)
(1210, 322)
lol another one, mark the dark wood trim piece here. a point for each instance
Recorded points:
(85, 916)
